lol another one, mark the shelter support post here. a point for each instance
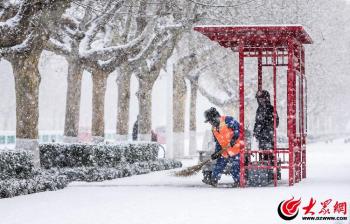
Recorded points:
(299, 131)
(241, 114)
(290, 111)
(260, 69)
(303, 89)
(274, 61)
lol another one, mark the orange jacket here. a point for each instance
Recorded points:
(224, 136)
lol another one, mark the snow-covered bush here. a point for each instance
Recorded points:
(107, 155)
(164, 164)
(66, 155)
(79, 155)
(18, 175)
(15, 164)
(91, 174)
(139, 152)
(40, 180)
(65, 163)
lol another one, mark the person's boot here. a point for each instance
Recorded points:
(206, 176)
(208, 179)
(213, 182)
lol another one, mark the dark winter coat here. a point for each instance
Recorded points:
(263, 128)
(154, 137)
(135, 130)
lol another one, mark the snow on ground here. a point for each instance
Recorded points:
(160, 198)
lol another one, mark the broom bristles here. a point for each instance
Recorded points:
(194, 169)
(189, 171)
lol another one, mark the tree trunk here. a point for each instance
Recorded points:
(71, 124)
(179, 101)
(193, 111)
(27, 81)
(123, 82)
(145, 110)
(99, 84)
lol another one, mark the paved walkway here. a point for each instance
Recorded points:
(162, 198)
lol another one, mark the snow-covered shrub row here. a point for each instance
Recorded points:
(91, 174)
(164, 164)
(40, 180)
(139, 152)
(97, 163)
(104, 155)
(15, 164)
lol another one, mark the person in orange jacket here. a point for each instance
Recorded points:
(225, 130)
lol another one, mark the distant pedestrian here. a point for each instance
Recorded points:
(154, 137)
(135, 129)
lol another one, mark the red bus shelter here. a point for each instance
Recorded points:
(278, 45)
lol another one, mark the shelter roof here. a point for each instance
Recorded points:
(255, 35)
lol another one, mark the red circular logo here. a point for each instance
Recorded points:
(288, 209)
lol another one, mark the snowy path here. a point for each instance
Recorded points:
(162, 198)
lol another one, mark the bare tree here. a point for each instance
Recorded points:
(123, 82)
(32, 31)
(139, 44)
(193, 116)
(76, 39)
(184, 14)
(147, 75)
(126, 70)
(182, 67)
(17, 20)
(65, 41)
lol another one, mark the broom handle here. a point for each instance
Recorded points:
(218, 152)
(221, 151)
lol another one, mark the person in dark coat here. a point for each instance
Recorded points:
(135, 132)
(135, 129)
(263, 128)
(154, 136)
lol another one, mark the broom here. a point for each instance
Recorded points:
(189, 171)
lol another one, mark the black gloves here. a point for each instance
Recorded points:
(215, 156)
(233, 142)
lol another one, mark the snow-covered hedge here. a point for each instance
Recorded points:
(104, 155)
(18, 176)
(37, 181)
(164, 164)
(57, 178)
(64, 163)
(15, 164)
(92, 174)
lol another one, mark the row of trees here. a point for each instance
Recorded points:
(138, 37)
(133, 37)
